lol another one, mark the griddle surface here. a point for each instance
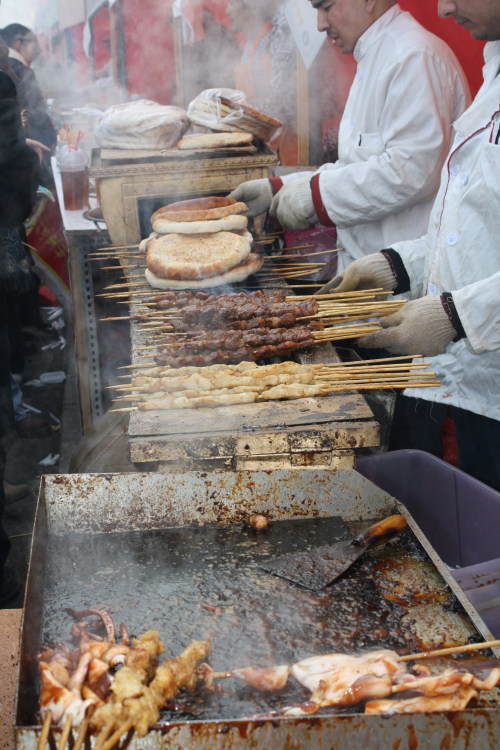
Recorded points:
(205, 583)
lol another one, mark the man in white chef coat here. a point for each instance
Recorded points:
(394, 134)
(452, 275)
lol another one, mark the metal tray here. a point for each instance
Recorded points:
(190, 548)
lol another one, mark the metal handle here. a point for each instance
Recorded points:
(381, 531)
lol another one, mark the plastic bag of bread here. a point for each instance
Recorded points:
(141, 125)
(228, 110)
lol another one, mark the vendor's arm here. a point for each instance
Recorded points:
(400, 164)
(479, 312)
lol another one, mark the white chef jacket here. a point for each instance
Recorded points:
(461, 253)
(394, 135)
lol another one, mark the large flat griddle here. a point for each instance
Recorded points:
(172, 552)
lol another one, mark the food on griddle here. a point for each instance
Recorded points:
(162, 224)
(174, 300)
(134, 703)
(198, 243)
(266, 678)
(219, 385)
(113, 686)
(446, 681)
(344, 680)
(176, 256)
(107, 688)
(199, 209)
(456, 701)
(256, 329)
(258, 522)
(348, 680)
(240, 272)
(234, 346)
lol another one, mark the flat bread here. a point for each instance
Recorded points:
(163, 225)
(200, 209)
(142, 124)
(214, 140)
(179, 256)
(251, 265)
(205, 201)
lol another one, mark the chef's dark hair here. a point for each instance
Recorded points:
(16, 32)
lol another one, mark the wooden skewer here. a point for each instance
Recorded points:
(340, 295)
(302, 247)
(293, 266)
(102, 736)
(65, 732)
(114, 256)
(44, 734)
(118, 317)
(307, 255)
(287, 275)
(115, 737)
(381, 386)
(451, 650)
(81, 735)
(114, 247)
(357, 363)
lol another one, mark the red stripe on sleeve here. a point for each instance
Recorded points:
(321, 212)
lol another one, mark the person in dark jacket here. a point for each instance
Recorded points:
(23, 50)
(19, 179)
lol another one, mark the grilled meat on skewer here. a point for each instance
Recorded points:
(453, 702)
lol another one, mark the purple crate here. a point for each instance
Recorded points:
(458, 514)
(481, 583)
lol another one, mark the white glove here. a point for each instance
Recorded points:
(293, 205)
(371, 272)
(257, 194)
(421, 327)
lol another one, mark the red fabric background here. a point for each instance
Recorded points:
(101, 35)
(468, 50)
(149, 48)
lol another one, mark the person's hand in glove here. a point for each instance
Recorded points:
(293, 205)
(422, 326)
(371, 272)
(257, 194)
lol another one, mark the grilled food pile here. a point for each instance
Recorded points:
(199, 243)
(203, 328)
(107, 686)
(159, 388)
(378, 679)
(232, 328)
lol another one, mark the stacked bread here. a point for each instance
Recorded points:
(199, 244)
(141, 125)
(207, 141)
(226, 110)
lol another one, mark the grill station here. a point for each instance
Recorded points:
(173, 552)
